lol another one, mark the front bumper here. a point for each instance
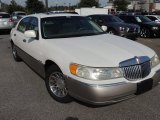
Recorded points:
(129, 35)
(106, 93)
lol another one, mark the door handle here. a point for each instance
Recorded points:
(24, 40)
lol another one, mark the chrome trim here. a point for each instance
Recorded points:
(134, 61)
(136, 68)
(57, 84)
(108, 85)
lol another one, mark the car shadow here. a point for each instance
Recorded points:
(71, 118)
(5, 32)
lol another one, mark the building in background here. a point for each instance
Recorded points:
(134, 5)
(110, 7)
(144, 5)
(139, 5)
(149, 5)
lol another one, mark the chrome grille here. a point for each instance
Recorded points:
(136, 72)
(133, 30)
(136, 68)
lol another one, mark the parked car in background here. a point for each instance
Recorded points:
(155, 18)
(17, 15)
(147, 26)
(116, 26)
(6, 22)
(77, 58)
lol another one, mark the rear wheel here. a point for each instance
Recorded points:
(145, 33)
(14, 53)
(55, 83)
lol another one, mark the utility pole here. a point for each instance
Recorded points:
(0, 4)
(46, 4)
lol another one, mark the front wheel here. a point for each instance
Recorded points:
(145, 33)
(55, 83)
(111, 31)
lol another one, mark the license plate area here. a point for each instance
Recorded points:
(144, 86)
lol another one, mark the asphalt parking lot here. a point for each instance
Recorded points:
(23, 96)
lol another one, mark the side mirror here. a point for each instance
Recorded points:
(30, 34)
(104, 28)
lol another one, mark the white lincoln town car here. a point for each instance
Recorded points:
(77, 58)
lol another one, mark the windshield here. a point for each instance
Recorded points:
(142, 19)
(109, 18)
(68, 26)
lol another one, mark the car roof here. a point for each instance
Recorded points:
(18, 12)
(153, 15)
(45, 15)
(3, 13)
(131, 15)
(100, 15)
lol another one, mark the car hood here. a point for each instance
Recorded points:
(100, 50)
(123, 24)
(152, 24)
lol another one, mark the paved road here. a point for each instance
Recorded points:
(23, 96)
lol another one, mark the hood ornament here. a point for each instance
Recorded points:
(137, 60)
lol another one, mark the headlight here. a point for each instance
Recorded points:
(154, 28)
(155, 61)
(124, 29)
(121, 28)
(92, 73)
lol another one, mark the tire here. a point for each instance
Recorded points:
(145, 33)
(15, 55)
(55, 84)
(112, 32)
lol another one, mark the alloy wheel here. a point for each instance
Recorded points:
(57, 84)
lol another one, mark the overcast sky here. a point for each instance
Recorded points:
(54, 2)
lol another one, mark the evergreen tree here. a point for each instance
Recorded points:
(34, 6)
(121, 4)
(14, 7)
